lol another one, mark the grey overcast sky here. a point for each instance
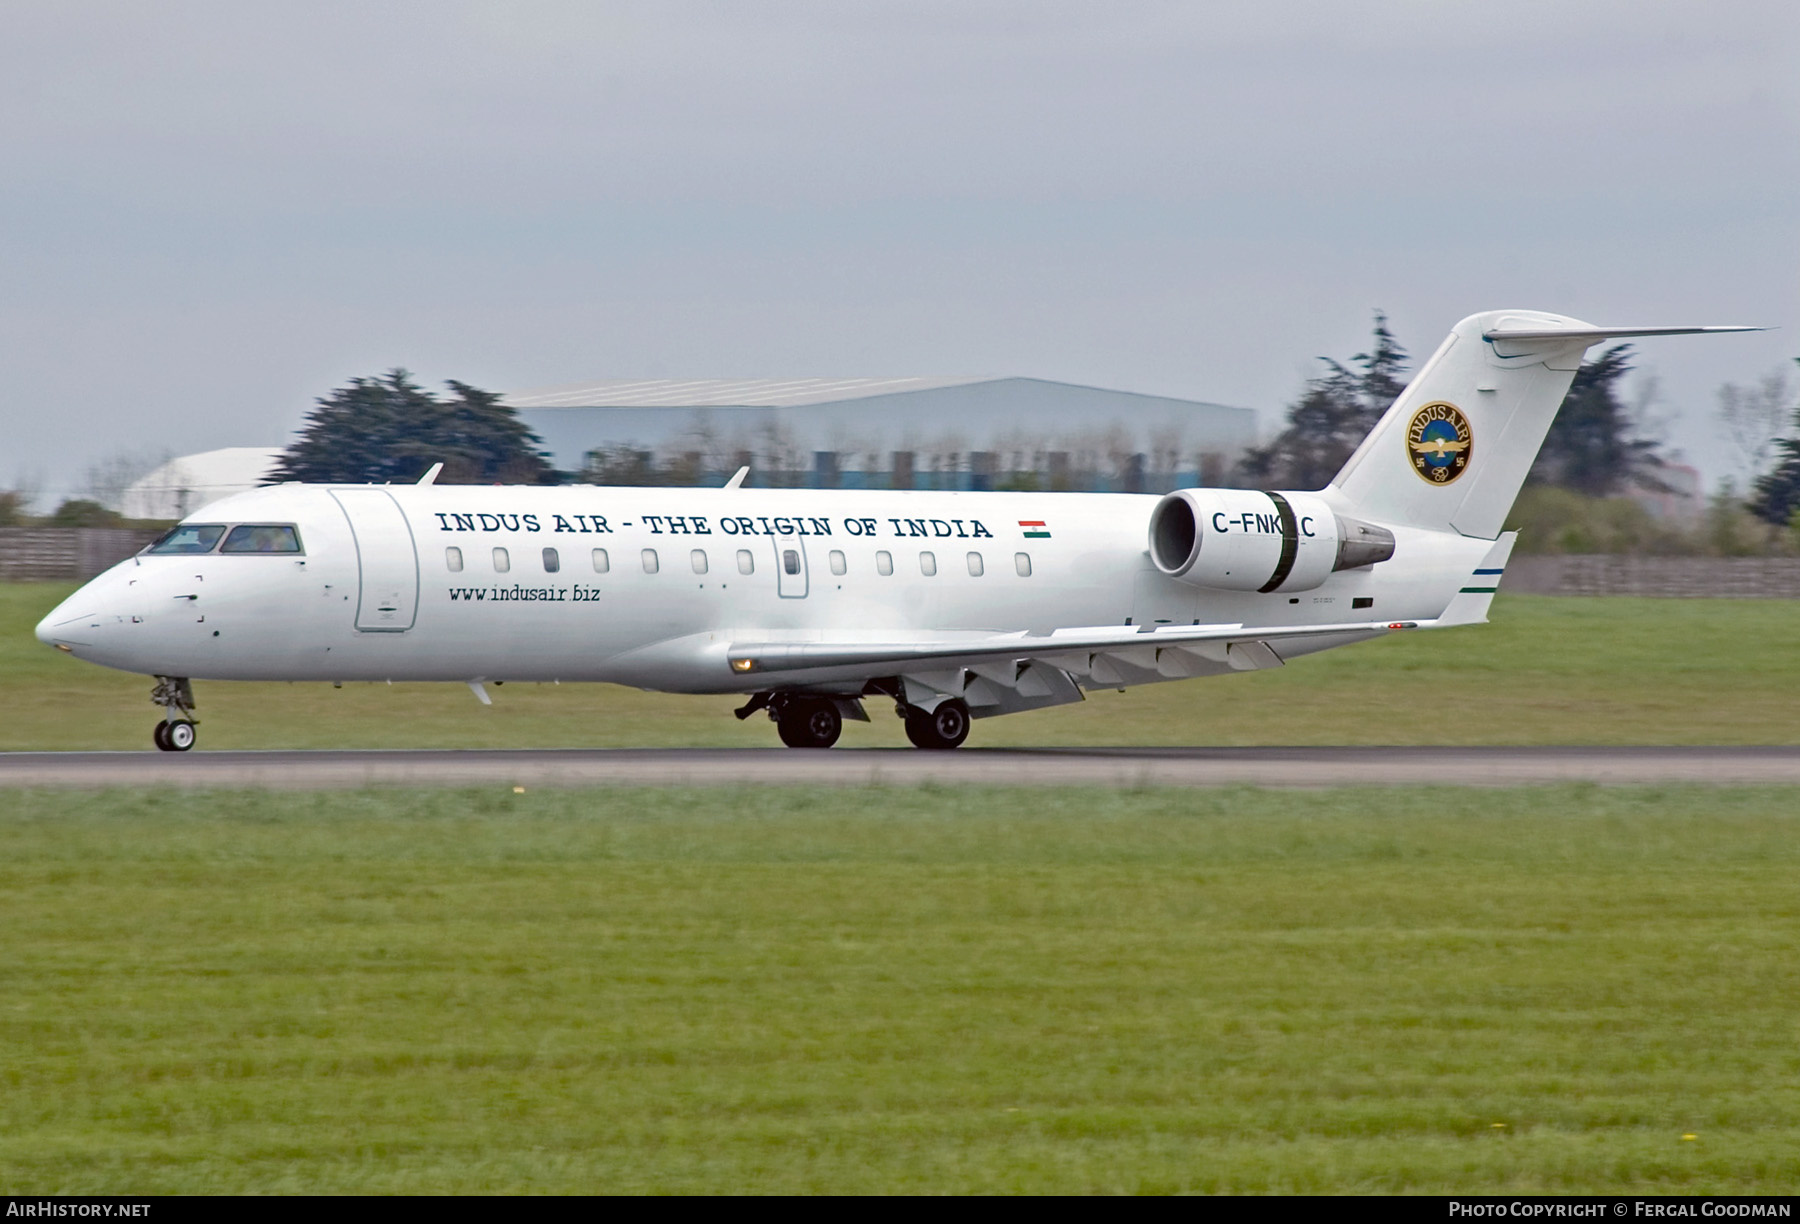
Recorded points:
(211, 213)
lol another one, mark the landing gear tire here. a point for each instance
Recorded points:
(175, 733)
(945, 727)
(175, 736)
(808, 722)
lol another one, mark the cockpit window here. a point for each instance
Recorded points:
(189, 538)
(261, 538)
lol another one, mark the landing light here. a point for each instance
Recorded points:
(65, 648)
(743, 665)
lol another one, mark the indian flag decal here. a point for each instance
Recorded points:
(1034, 530)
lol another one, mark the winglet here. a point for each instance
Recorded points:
(431, 476)
(737, 478)
(1469, 606)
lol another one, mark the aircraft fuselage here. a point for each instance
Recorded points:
(649, 586)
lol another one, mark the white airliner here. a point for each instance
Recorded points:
(953, 605)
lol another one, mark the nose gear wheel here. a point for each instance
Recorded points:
(177, 736)
(175, 733)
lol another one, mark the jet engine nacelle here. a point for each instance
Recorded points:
(1248, 540)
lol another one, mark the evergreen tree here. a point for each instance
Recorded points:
(1775, 497)
(387, 428)
(1592, 447)
(1337, 411)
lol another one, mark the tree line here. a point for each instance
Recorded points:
(388, 428)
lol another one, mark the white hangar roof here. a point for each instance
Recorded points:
(726, 392)
(181, 486)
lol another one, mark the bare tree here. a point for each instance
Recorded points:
(21, 499)
(107, 480)
(701, 448)
(1754, 419)
(781, 453)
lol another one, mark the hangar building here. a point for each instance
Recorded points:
(943, 433)
(181, 486)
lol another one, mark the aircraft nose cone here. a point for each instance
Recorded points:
(61, 625)
(78, 620)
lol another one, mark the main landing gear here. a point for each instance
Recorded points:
(809, 722)
(947, 726)
(175, 733)
(806, 720)
(803, 719)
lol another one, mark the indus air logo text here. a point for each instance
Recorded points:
(1439, 443)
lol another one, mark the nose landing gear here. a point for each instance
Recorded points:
(176, 696)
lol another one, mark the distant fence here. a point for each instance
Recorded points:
(1677, 577)
(65, 554)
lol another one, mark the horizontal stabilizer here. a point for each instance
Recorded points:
(1594, 335)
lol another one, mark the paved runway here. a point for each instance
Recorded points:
(1290, 767)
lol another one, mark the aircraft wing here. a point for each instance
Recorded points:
(1059, 648)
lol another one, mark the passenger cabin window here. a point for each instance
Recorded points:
(698, 557)
(602, 562)
(884, 563)
(928, 563)
(746, 563)
(1022, 563)
(790, 560)
(189, 538)
(552, 562)
(453, 559)
(502, 560)
(650, 562)
(838, 565)
(257, 538)
(976, 567)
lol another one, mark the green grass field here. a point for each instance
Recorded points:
(1546, 671)
(1418, 990)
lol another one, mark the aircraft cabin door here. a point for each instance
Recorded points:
(790, 566)
(387, 562)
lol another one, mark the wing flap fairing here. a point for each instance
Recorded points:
(1098, 651)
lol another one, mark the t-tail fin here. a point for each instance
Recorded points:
(1453, 451)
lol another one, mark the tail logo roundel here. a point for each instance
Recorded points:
(1439, 443)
